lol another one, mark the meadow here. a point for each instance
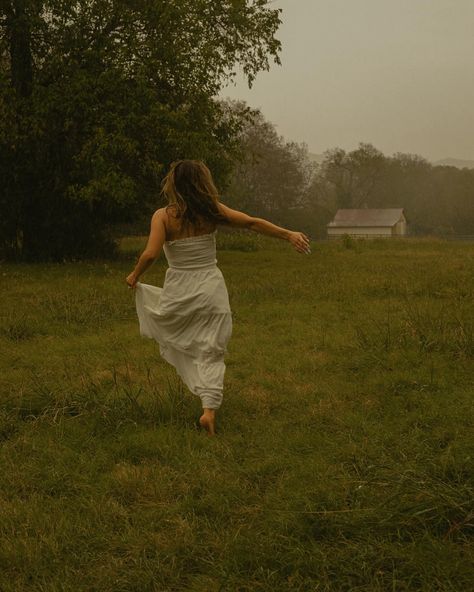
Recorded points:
(344, 459)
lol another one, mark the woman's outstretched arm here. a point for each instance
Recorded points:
(299, 240)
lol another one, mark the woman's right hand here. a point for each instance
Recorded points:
(131, 280)
(300, 242)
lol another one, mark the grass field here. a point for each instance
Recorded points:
(345, 454)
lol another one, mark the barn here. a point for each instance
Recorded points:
(368, 223)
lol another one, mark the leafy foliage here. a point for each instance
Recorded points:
(98, 97)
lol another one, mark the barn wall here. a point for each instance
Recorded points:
(400, 227)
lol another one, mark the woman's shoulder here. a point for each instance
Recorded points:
(168, 214)
(171, 210)
(172, 220)
(163, 215)
(166, 211)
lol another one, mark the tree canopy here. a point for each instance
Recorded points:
(97, 97)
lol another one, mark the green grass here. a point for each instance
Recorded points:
(344, 460)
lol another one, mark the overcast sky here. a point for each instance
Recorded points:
(396, 73)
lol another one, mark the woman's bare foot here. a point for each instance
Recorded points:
(208, 421)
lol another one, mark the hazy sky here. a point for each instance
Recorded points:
(396, 73)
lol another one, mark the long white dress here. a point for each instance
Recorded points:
(190, 316)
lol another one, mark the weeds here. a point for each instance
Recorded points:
(86, 307)
(19, 328)
(445, 329)
(238, 241)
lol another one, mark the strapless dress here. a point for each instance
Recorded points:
(190, 316)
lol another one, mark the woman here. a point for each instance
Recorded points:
(190, 316)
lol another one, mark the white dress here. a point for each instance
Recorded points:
(190, 316)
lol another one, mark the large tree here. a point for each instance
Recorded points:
(98, 96)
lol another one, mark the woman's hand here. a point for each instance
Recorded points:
(131, 280)
(300, 241)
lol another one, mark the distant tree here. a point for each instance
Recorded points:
(351, 177)
(453, 200)
(272, 175)
(408, 184)
(320, 203)
(98, 96)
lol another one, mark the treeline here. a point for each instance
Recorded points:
(98, 97)
(279, 180)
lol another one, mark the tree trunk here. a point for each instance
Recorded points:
(22, 196)
(21, 61)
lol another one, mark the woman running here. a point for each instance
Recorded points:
(190, 316)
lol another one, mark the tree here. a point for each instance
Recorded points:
(97, 97)
(352, 176)
(272, 175)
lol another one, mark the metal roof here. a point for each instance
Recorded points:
(367, 217)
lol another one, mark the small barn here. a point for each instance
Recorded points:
(368, 223)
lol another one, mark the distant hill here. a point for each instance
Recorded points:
(455, 162)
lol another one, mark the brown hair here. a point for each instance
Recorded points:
(189, 187)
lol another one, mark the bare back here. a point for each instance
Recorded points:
(176, 229)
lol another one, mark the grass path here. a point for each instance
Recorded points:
(345, 454)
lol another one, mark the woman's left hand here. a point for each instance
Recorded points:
(300, 242)
(131, 280)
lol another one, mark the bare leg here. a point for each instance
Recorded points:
(208, 421)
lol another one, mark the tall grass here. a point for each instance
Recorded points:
(344, 459)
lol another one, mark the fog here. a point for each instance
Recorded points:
(398, 74)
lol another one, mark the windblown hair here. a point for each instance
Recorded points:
(189, 187)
